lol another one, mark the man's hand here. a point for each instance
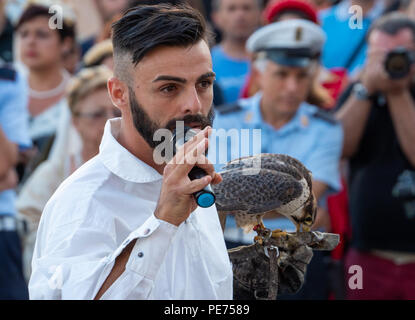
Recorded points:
(176, 201)
(375, 78)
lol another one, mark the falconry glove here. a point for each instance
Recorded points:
(262, 271)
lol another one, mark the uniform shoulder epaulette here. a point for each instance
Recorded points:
(326, 116)
(7, 73)
(228, 108)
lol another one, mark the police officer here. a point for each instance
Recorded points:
(285, 67)
(14, 136)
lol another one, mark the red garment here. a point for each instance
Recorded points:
(336, 85)
(274, 8)
(381, 278)
(338, 208)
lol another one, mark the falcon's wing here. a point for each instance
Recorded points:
(255, 191)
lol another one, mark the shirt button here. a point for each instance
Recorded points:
(146, 231)
(140, 254)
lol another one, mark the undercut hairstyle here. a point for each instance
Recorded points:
(392, 24)
(145, 28)
(33, 11)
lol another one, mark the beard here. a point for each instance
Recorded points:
(146, 127)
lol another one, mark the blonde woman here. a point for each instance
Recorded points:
(90, 107)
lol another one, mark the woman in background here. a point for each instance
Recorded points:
(90, 108)
(43, 51)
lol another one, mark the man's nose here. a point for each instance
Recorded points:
(192, 103)
(291, 84)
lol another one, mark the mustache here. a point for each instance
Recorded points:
(204, 121)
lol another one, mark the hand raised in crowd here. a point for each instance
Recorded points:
(376, 79)
(176, 201)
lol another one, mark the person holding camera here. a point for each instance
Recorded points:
(378, 117)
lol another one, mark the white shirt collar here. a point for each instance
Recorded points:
(120, 161)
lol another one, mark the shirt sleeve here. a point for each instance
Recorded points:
(73, 260)
(153, 240)
(14, 115)
(324, 162)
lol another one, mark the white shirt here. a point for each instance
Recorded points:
(99, 210)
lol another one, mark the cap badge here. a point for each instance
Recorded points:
(304, 121)
(248, 117)
(299, 34)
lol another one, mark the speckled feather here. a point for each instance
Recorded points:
(254, 185)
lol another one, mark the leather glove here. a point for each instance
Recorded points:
(261, 271)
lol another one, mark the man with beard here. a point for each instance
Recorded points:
(124, 226)
(236, 20)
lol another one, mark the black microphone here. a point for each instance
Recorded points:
(205, 197)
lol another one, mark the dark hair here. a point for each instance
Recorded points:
(135, 3)
(33, 11)
(392, 23)
(144, 28)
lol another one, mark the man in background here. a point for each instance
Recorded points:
(236, 20)
(285, 68)
(378, 116)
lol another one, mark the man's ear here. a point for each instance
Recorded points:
(258, 68)
(118, 92)
(67, 46)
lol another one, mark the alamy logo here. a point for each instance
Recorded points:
(356, 20)
(223, 145)
(56, 21)
(356, 278)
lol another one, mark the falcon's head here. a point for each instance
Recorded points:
(308, 214)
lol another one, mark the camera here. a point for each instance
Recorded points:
(404, 190)
(398, 62)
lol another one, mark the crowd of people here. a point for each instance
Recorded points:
(330, 83)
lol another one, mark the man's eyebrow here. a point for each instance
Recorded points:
(169, 78)
(182, 80)
(206, 76)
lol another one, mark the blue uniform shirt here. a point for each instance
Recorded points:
(231, 74)
(14, 122)
(308, 136)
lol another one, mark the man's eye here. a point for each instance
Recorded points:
(168, 89)
(24, 33)
(205, 84)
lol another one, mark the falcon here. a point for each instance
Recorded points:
(253, 186)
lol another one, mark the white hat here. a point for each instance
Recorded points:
(293, 42)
